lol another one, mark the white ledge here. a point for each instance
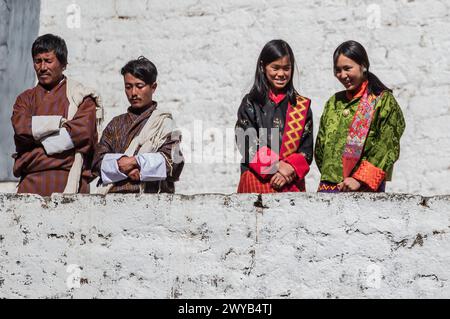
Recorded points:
(225, 246)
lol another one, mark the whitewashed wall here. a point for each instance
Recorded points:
(215, 246)
(206, 52)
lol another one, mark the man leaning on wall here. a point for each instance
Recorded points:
(55, 126)
(139, 150)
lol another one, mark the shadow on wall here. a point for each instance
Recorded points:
(19, 26)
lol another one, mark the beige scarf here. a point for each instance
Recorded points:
(76, 93)
(152, 136)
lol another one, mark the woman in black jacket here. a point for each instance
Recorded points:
(274, 130)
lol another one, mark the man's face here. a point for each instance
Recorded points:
(139, 93)
(49, 70)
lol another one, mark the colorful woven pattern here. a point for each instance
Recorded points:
(325, 187)
(250, 183)
(369, 174)
(358, 132)
(295, 122)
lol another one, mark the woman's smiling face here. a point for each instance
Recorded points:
(349, 73)
(279, 73)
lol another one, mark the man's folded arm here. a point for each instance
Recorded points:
(110, 172)
(152, 167)
(79, 133)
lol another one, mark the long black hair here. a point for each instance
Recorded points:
(272, 51)
(355, 51)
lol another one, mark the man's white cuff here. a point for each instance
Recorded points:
(153, 167)
(44, 125)
(110, 172)
(57, 143)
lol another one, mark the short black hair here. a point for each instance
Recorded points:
(50, 42)
(141, 68)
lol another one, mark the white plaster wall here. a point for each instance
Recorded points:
(215, 246)
(206, 52)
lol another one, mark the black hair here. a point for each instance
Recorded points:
(355, 51)
(50, 42)
(272, 51)
(141, 68)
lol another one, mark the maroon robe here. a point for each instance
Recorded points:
(46, 174)
(116, 138)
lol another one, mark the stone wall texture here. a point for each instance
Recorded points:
(215, 246)
(206, 53)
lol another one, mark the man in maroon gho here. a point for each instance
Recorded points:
(55, 126)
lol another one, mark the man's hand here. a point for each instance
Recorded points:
(278, 181)
(287, 171)
(349, 185)
(127, 164)
(135, 175)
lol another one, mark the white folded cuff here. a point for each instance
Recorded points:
(57, 143)
(110, 172)
(44, 125)
(153, 167)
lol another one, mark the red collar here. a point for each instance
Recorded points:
(359, 92)
(277, 98)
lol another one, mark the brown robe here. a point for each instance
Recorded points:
(46, 174)
(116, 138)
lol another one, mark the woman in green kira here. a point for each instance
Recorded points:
(360, 128)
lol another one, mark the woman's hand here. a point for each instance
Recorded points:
(349, 185)
(278, 181)
(287, 171)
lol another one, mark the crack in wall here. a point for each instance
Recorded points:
(418, 239)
